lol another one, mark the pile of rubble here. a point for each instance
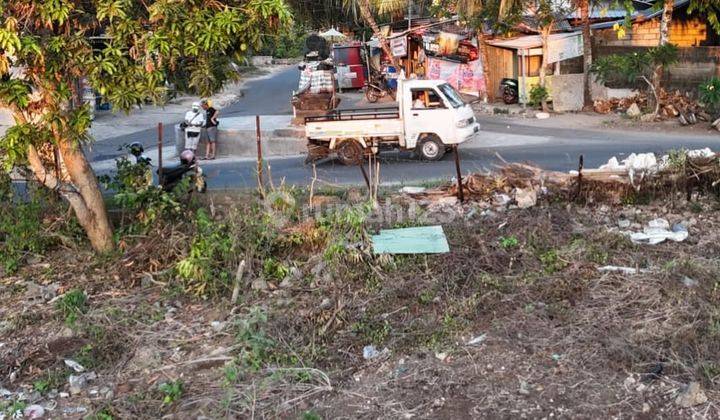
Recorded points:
(672, 105)
(614, 182)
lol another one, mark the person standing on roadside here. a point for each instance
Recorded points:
(211, 129)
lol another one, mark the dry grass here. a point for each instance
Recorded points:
(561, 338)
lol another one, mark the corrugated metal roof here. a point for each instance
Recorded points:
(529, 41)
(650, 13)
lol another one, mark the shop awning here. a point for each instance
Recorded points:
(561, 46)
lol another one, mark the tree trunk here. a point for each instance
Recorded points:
(544, 35)
(367, 15)
(587, 51)
(83, 193)
(484, 56)
(664, 39)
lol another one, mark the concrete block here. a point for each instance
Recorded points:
(261, 60)
(238, 137)
(567, 92)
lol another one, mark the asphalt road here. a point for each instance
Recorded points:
(550, 148)
(270, 96)
(553, 149)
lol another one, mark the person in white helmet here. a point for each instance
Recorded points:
(194, 124)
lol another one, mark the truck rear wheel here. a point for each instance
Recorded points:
(431, 148)
(350, 152)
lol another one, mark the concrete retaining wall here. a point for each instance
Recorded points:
(237, 137)
(567, 92)
(261, 60)
(695, 65)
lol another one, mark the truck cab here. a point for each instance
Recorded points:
(434, 111)
(429, 118)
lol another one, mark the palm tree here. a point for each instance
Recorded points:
(367, 9)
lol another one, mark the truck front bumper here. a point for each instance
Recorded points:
(469, 133)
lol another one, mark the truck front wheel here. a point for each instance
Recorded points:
(350, 152)
(431, 148)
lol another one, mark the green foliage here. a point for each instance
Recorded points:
(509, 242)
(71, 305)
(21, 232)
(310, 415)
(274, 269)
(620, 69)
(144, 202)
(12, 409)
(348, 225)
(551, 261)
(254, 344)
(205, 270)
(192, 44)
(710, 93)
(709, 9)
(171, 391)
(288, 44)
(538, 94)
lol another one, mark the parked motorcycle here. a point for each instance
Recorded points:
(510, 90)
(376, 87)
(173, 174)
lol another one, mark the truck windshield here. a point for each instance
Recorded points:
(452, 95)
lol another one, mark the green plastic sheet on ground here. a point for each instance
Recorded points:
(418, 240)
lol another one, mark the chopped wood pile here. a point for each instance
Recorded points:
(638, 176)
(672, 105)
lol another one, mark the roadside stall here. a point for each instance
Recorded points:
(520, 59)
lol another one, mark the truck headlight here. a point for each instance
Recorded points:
(465, 123)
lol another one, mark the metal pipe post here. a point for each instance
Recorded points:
(259, 152)
(160, 150)
(461, 194)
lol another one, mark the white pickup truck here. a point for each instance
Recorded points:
(430, 118)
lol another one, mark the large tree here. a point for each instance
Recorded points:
(665, 22)
(123, 49)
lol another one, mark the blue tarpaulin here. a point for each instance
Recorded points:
(418, 240)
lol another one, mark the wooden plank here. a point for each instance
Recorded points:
(418, 240)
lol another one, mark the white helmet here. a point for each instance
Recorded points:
(187, 157)
(195, 105)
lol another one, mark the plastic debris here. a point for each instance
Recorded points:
(370, 352)
(477, 340)
(692, 395)
(658, 231)
(77, 367)
(413, 190)
(624, 270)
(34, 412)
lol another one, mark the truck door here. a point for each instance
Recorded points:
(427, 114)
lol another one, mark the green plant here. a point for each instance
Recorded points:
(509, 242)
(104, 414)
(426, 296)
(206, 270)
(21, 232)
(172, 391)
(72, 304)
(142, 202)
(538, 94)
(371, 331)
(310, 415)
(274, 269)
(710, 93)
(41, 385)
(254, 344)
(551, 261)
(13, 409)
